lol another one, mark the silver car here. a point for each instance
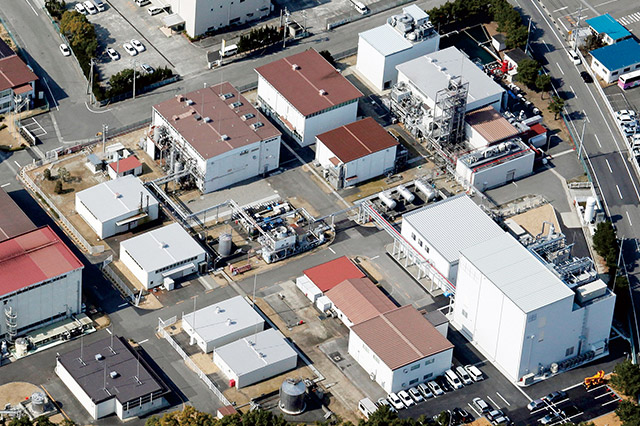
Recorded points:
(435, 388)
(415, 394)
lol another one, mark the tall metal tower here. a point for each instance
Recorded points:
(448, 120)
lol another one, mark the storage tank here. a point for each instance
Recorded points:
(426, 189)
(38, 401)
(387, 200)
(590, 210)
(292, 396)
(21, 347)
(224, 245)
(406, 194)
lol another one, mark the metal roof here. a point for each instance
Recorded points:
(13, 221)
(212, 322)
(89, 372)
(256, 351)
(115, 198)
(401, 337)
(14, 73)
(617, 56)
(360, 299)
(162, 247)
(518, 273)
(386, 40)
(125, 164)
(491, 125)
(329, 274)
(431, 72)
(608, 25)
(452, 225)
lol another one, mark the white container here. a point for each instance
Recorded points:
(323, 304)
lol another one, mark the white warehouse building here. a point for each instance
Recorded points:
(215, 134)
(518, 312)
(158, 257)
(440, 230)
(40, 281)
(116, 206)
(306, 95)
(402, 38)
(428, 74)
(255, 358)
(400, 348)
(222, 323)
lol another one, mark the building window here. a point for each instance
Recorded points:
(464, 313)
(427, 376)
(430, 361)
(533, 317)
(415, 367)
(413, 382)
(420, 243)
(627, 69)
(413, 236)
(569, 351)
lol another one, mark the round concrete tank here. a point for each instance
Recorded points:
(22, 345)
(38, 401)
(224, 245)
(406, 194)
(292, 396)
(426, 189)
(590, 210)
(387, 200)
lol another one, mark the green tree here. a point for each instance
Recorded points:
(605, 243)
(21, 421)
(528, 70)
(626, 378)
(55, 8)
(43, 421)
(327, 55)
(58, 188)
(64, 174)
(516, 36)
(47, 174)
(556, 106)
(82, 37)
(629, 413)
(543, 84)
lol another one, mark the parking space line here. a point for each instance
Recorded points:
(375, 257)
(474, 410)
(603, 395)
(502, 397)
(629, 218)
(143, 341)
(573, 91)
(17, 164)
(575, 415)
(493, 402)
(619, 193)
(539, 410)
(586, 116)
(561, 8)
(606, 2)
(611, 402)
(5, 184)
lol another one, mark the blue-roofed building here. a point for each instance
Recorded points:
(610, 62)
(612, 31)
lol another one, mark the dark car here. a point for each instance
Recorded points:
(461, 416)
(586, 77)
(444, 384)
(555, 396)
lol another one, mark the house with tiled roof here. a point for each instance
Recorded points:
(17, 80)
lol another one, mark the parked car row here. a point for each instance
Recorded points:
(547, 401)
(495, 416)
(627, 120)
(89, 7)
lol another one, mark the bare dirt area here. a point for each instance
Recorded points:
(16, 392)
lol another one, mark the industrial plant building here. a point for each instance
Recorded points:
(116, 206)
(486, 126)
(215, 135)
(160, 256)
(255, 358)
(357, 300)
(222, 323)
(403, 37)
(400, 348)
(461, 223)
(40, 281)
(306, 95)
(531, 310)
(319, 279)
(356, 152)
(108, 376)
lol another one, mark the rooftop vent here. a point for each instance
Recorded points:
(99, 357)
(197, 117)
(229, 322)
(179, 98)
(261, 355)
(163, 245)
(248, 116)
(113, 374)
(207, 120)
(257, 125)
(118, 195)
(226, 96)
(236, 104)
(322, 92)
(295, 67)
(189, 102)
(224, 137)
(218, 309)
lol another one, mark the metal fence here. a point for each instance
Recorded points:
(378, 7)
(66, 225)
(167, 336)
(108, 271)
(144, 89)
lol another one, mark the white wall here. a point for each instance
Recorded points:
(404, 377)
(109, 228)
(135, 409)
(202, 15)
(135, 269)
(113, 175)
(89, 218)
(76, 390)
(267, 371)
(210, 345)
(498, 174)
(476, 140)
(273, 101)
(47, 302)
(610, 76)
(449, 270)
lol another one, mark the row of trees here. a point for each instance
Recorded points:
(55, 8)
(82, 38)
(259, 37)
(40, 421)
(122, 82)
(473, 12)
(626, 379)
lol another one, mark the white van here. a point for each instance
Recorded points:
(229, 50)
(367, 407)
(474, 372)
(360, 7)
(99, 5)
(453, 379)
(464, 376)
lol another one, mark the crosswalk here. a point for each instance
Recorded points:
(630, 19)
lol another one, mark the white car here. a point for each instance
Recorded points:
(474, 372)
(80, 8)
(395, 401)
(625, 112)
(435, 388)
(154, 10)
(415, 394)
(113, 54)
(137, 45)
(384, 402)
(405, 398)
(90, 7)
(64, 49)
(425, 391)
(129, 49)
(574, 57)
(146, 68)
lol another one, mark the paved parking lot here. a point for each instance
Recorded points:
(623, 99)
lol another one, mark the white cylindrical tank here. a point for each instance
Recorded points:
(426, 189)
(292, 396)
(38, 401)
(224, 245)
(406, 194)
(387, 200)
(22, 345)
(590, 210)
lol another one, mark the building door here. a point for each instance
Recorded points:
(511, 174)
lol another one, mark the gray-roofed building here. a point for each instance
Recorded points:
(428, 74)
(116, 206)
(439, 231)
(222, 323)
(257, 357)
(164, 253)
(108, 376)
(517, 311)
(438, 320)
(402, 38)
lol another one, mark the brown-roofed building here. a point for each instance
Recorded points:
(356, 152)
(329, 274)
(17, 80)
(400, 349)
(486, 126)
(216, 132)
(125, 166)
(358, 300)
(306, 95)
(13, 221)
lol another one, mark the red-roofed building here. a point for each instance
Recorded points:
(400, 349)
(126, 166)
(40, 280)
(17, 80)
(357, 300)
(329, 274)
(306, 95)
(356, 152)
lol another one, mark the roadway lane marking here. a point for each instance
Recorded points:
(502, 397)
(32, 8)
(5, 184)
(606, 2)
(493, 402)
(619, 193)
(586, 116)
(562, 153)
(597, 140)
(629, 219)
(17, 164)
(573, 91)
(145, 340)
(375, 257)
(608, 165)
(331, 250)
(560, 68)
(561, 8)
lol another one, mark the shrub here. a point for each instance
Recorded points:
(58, 188)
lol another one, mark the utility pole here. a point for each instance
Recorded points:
(134, 79)
(105, 128)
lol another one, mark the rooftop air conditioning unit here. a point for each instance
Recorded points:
(113, 374)
(207, 120)
(224, 137)
(257, 125)
(189, 102)
(295, 67)
(99, 357)
(248, 116)
(322, 92)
